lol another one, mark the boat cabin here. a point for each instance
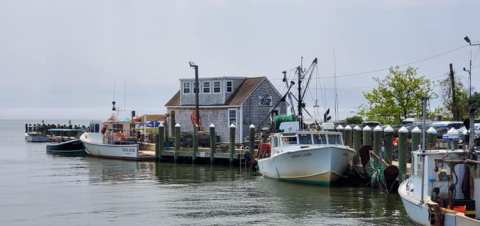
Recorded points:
(279, 141)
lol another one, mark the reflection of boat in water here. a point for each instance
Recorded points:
(306, 156)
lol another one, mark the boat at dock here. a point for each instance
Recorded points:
(317, 157)
(36, 137)
(69, 147)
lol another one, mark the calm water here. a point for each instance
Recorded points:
(40, 189)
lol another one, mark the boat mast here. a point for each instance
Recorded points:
(424, 113)
(300, 98)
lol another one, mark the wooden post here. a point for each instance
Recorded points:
(431, 138)
(173, 123)
(251, 139)
(195, 143)
(402, 152)
(160, 142)
(377, 141)
(232, 141)
(26, 128)
(348, 136)
(340, 129)
(357, 143)
(388, 144)
(213, 140)
(177, 141)
(166, 131)
(416, 137)
(367, 136)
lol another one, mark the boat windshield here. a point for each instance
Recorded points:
(319, 139)
(289, 140)
(334, 139)
(305, 138)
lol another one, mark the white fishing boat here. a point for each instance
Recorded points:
(317, 157)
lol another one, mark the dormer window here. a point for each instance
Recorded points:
(229, 86)
(206, 87)
(186, 87)
(216, 87)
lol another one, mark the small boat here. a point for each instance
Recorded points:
(70, 147)
(317, 157)
(36, 137)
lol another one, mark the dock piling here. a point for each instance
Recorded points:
(402, 151)
(177, 141)
(348, 136)
(160, 142)
(377, 141)
(431, 138)
(232, 141)
(416, 137)
(213, 141)
(357, 143)
(195, 143)
(367, 136)
(388, 144)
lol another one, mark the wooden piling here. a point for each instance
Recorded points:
(367, 136)
(431, 138)
(348, 136)
(357, 143)
(232, 141)
(251, 138)
(195, 143)
(388, 144)
(377, 141)
(160, 142)
(402, 152)
(213, 140)
(340, 129)
(26, 128)
(177, 141)
(416, 137)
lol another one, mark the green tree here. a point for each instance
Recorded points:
(356, 119)
(461, 97)
(397, 96)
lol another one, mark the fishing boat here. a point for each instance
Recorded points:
(115, 140)
(36, 137)
(69, 147)
(297, 152)
(317, 157)
(444, 188)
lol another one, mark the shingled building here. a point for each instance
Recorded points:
(224, 101)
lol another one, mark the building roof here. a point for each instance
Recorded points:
(248, 86)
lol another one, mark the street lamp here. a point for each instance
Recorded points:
(471, 110)
(196, 91)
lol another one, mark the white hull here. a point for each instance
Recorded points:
(95, 147)
(316, 164)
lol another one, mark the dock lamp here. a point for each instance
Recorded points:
(196, 91)
(469, 71)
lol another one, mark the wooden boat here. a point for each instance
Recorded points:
(70, 147)
(36, 137)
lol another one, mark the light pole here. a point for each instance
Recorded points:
(471, 110)
(196, 91)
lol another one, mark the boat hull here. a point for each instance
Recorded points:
(316, 165)
(68, 147)
(94, 147)
(36, 138)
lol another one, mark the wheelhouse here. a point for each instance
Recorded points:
(306, 138)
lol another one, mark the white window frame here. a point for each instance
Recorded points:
(231, 86)
(209, 87)
(189, 87)
(236, 117)
(219, 86)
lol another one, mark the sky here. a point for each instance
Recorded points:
(68, 59)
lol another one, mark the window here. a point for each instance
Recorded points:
(206, 87)
(319, 139)
(186, 87)
(229, 86)
(305, 138)
(216, 87)
(289, 140)
(232, 117)
(265, 100)
(334, 139)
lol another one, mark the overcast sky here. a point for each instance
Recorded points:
(62, 59)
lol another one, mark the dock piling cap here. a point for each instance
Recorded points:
(431, 130)
(403, 129)
(177, 125)
(378, 129)
(252, 126)
(348, 127)
(367, 128)
(357, 128)
(232, 125)
(416, 130)
(212, 125)
(388, 129)
(339, 127)
(161, 125)
(453, 132)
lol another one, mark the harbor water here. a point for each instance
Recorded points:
(41, 189)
